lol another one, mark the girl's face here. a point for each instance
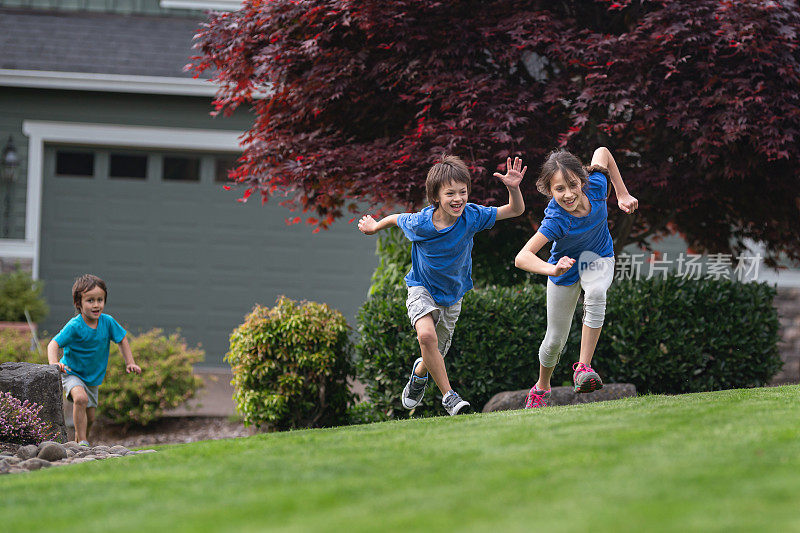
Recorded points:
(92, 303)
(567, 193)
(452, 198)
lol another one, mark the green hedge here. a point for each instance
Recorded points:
(664, 336)
(290, 366)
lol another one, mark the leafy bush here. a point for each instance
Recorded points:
(166, 380)
(664, 336)
(15, 346)
(290, 366)
(19, 292)
(20, 422)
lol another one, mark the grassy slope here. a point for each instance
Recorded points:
(700, 462)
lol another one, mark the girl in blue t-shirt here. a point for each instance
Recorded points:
(85, 340)
(582, 257)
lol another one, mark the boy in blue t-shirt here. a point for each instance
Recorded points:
(85, 340)
(441, 265)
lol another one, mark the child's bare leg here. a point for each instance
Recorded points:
(80, 401)
(90, 414)
(545, 373)
(589, 337)
(432, 360)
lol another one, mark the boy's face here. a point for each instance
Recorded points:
(566, 193)
(92, 303)
(452, 198)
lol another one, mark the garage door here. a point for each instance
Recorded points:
(177, 251)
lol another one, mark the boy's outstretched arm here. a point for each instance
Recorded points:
(130, 364)
(528, 260)
(511, 179)
(369, 225)
(602, 156)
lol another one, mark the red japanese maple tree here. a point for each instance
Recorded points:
(699, 101)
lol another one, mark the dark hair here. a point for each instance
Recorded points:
(564, 162)
(449, 169)
(86, 283)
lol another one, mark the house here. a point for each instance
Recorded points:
(121, 173)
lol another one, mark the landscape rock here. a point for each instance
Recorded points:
(26, 452)
(34, 464)
(40, 384)
(52, 451)
(505, 401)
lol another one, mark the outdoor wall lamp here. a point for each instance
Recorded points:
(9, 164)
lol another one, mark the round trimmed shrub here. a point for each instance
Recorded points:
(290, 366)
(18, 293)
(166, 380)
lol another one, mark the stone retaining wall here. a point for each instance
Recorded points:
(788, 304)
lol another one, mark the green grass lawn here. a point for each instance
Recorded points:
(700, 462)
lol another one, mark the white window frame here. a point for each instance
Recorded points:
(101, 135)
(215, 5)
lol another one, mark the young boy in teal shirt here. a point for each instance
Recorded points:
(85, 340)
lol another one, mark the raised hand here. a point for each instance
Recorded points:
(514, 173)
(627, 203)
(564, 264)
(367, 225)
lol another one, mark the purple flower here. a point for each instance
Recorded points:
(20, 422)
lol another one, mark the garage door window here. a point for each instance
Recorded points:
(181, 168)
(223, 166)
(127, 166)
(74, 164)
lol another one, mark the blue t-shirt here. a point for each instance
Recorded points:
(86, 349)
(573, 235)
(441, 260)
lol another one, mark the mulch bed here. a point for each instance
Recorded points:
(172, 430)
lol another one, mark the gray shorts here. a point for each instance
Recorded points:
(420, 303)
(70, 381)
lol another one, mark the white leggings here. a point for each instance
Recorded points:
(595, 280)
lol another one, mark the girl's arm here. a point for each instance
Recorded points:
(602, 156)
(528, 260)
(511, 179)
(52, 356)
(130, 364)
(368, 225)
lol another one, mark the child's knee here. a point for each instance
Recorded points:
(594, 314)
(549, 352)
(427, 337)
(79, 397)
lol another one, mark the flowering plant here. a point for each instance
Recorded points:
(20, 422)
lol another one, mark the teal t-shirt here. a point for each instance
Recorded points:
(86, 349)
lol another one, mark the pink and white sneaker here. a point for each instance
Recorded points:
(537, 398)
(585, 378)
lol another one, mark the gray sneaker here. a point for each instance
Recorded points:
(415, 388)
(454, 405)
